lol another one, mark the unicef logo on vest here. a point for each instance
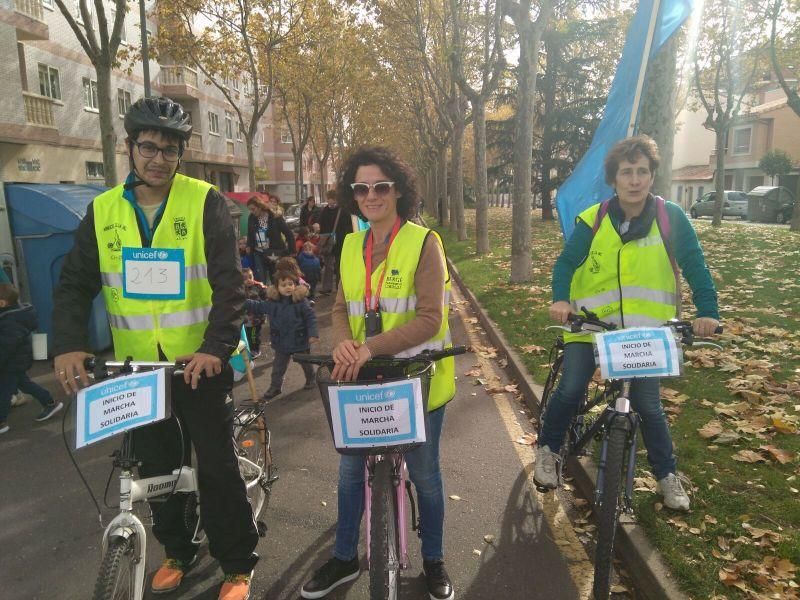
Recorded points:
(162, 255)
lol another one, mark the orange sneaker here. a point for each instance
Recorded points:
(169, 575)
(236, 587)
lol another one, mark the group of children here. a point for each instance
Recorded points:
(287, 305)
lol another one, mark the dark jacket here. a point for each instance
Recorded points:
(16, 348)
(290, 323)
(327, 219)
(309, 216)
(309, 264)
(281, 238)
(79, 283)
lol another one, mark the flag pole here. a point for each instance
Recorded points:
(643, 67)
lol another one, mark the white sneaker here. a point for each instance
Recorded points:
(674, 496)
(545, 467)
(18, 399)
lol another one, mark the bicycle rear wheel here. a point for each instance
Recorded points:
(255, 459)
(609, 509)
(116, 579)
(384, 551)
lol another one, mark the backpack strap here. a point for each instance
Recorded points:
(598, 218)
(665, 228)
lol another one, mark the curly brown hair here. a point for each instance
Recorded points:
(631, 149)
(395, 169)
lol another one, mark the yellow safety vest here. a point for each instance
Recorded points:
(139, 327)
(631, 284)
(398, 299)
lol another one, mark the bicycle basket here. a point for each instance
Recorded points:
(384, 411)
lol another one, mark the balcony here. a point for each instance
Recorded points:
(27, 17)
(196, 141)
(39, 110)
(179, 82)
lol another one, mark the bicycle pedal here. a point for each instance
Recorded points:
(262, 528)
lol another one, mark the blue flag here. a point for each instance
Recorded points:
(241, 357)
(586, 186)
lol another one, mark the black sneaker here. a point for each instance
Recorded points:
(332, 574)
(437, 580)
(49, 411)
(271, 393)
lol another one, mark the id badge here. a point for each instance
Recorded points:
(372, 320)
(153, 273)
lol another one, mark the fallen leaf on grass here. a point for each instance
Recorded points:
(710, 429)
(748, 456)
(782, 427)
(532, 349)
(782, 456)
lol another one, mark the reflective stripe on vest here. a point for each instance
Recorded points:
(398, 299)
(630, 284)
(140, 327)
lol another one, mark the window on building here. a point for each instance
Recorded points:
(700, 190)
(49, 82)
(741, 140)
(89, 8)
(123, 101)
(90, 94)
(288, 166)
(286, 137)
(680, 194)
(239, 131)
(228, 125)
(94, 170)
(48, 4)
(122, 33)
(213, 123)
(236, 84)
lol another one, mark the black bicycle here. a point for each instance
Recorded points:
(615, 428)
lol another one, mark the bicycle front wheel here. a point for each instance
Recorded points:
(608, 511)
(384, 549)
(255, 461)
(117, 577)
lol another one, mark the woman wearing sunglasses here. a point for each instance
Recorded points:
(395, 291)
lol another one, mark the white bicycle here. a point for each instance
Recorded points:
(124, 548)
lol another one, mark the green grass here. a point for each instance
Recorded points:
(756, 272)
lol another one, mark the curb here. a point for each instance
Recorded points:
(643, 563)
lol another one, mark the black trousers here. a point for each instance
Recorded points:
(206, 418)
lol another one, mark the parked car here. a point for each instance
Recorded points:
(291, 215)
(734, 205)
(771, 204)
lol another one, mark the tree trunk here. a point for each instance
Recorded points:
(795, 224)
(657, 116)
(251, 163)
(298, 176)
(719, 177)
(444, 208)
(457, 223)
(529, 38)
(481, 183)
(107, 137)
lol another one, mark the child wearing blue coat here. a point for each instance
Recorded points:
(310, 266)
(292, 327)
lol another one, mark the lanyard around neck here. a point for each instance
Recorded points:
(368, 260)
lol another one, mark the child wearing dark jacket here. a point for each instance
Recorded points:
(253, 290)
(310, 266)
(17, 322)
(292, 327)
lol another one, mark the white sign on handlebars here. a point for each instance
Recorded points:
(116, 405)
(638, 352)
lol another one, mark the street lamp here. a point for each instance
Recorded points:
(145, 52)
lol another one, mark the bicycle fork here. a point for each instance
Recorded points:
(399, 485)
(609, 419)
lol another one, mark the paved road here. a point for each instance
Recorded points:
(50, 533)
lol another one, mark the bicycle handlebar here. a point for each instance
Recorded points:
(386, 361)
(101, 366)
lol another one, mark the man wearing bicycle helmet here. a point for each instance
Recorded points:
(193, 313)
(622, 263)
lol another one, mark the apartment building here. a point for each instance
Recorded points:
(49, 118)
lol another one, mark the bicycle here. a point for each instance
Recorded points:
(384, 461)
(615, 428)
(124, 546)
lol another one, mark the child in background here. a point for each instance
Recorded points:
(292, 327)
(300, 239)
(310, 266)
(245, 258)
(17, 322)
(313, 237)
(253, 290)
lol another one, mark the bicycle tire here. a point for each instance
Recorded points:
(550, 384)
(608, 511)
(116, 579)
(384, 552)
(253, 443)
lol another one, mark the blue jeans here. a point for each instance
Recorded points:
(12, 381)
(576, 372)
(423, 469)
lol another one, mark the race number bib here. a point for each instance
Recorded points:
(387, 414)
(638, 352)
(153, 273)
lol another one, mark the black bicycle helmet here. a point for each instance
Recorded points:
(160, 114)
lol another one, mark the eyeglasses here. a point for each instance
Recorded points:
(150, 150)
(382, 188)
